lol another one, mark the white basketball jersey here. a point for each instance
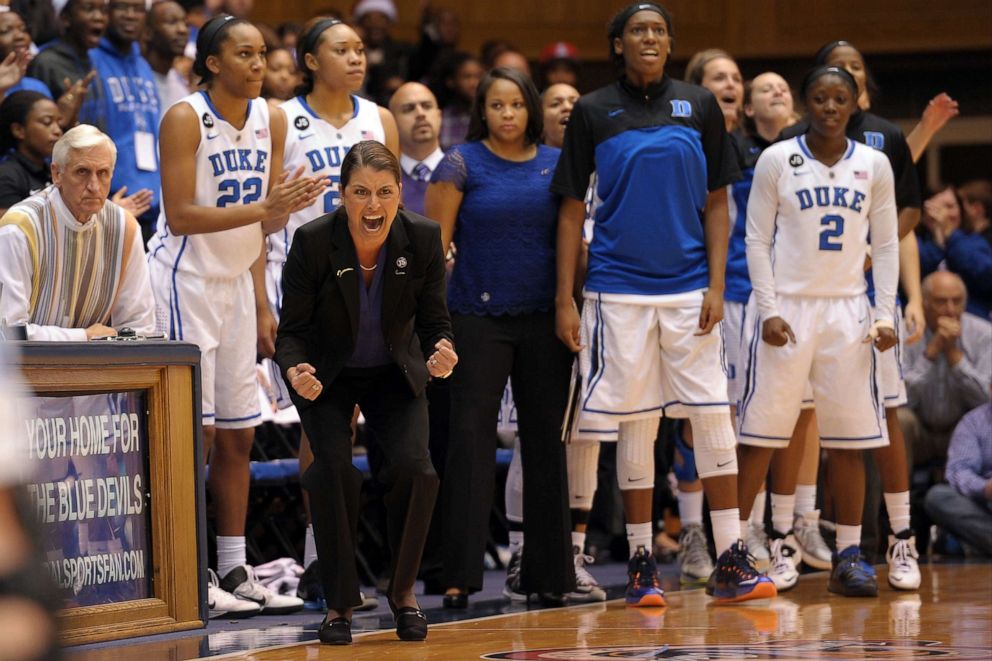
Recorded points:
(818, 217)
(232, 167)
(320, 147)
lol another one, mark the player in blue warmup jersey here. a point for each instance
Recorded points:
(814, 203)
(222, 186)
(650, 342)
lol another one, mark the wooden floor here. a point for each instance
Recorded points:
(950, 617)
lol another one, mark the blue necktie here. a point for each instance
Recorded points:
(421, 172)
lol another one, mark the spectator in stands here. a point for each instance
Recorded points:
(387, 59)
(948, 373)
(940, 217)
(14, 37)
(419, 122)
(130, 110)
(964, 505)
(511, 58)
(165, 37)
(29, 129)
(40, 18)
(289, 33)
(64, 65)
(281, 75)
(439, 32)
(71, 261)
(454, 83)
(977, 197)
(946, 238)
(559, 64)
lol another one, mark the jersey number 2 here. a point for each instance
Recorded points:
(232, 189)
(833, 227)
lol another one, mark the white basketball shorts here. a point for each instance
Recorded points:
(830, 354)
(218, 314)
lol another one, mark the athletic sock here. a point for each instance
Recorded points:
(230, 554)
(848, 536)
(783, 512)
(690, 507)
(579, 539)
(897, 505)
(639, 534)
(309, 547)
(805, 498)
(726, 528)
(758, 509)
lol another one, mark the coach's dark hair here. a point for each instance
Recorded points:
(307, 43)
(212, 36)
(828, 48)
(477, 128)
(614, 29)
(15, 110)
(369, 154)
(818, 72)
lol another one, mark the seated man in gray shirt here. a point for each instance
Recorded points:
(948, 373)
(964, 505)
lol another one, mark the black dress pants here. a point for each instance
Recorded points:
(398, 422)
(525, 349)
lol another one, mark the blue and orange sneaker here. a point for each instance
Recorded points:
(643, 588)
(852, 576)
(736, 579)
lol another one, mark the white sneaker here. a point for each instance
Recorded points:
(816, 553)
(223, 603)
(904, 566)
(695, 562)
(241, 582)
(785, 559)
(587, 588)
(757, 545)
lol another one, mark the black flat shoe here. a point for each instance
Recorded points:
(411, 623)
(335, 632)
(549, 599)
(459, 600)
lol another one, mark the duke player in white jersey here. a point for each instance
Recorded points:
(323, 121)
(222, 186)
(814, 202)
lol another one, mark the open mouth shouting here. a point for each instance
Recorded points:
(373, 224)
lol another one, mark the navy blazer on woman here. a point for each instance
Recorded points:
(318, 321)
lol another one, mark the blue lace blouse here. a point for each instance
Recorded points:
(505, 231)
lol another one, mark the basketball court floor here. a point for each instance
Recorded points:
(950, 617)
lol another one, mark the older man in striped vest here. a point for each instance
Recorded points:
(71, 262)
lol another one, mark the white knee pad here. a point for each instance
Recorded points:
(635, 454)
(514, 492)
(714, 443)
(582, 460)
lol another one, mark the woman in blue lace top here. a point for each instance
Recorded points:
(492, 199)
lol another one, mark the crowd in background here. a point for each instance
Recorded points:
(120, 65)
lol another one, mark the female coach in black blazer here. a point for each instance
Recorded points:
(363, 303)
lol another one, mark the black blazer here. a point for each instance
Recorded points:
(320, 306)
